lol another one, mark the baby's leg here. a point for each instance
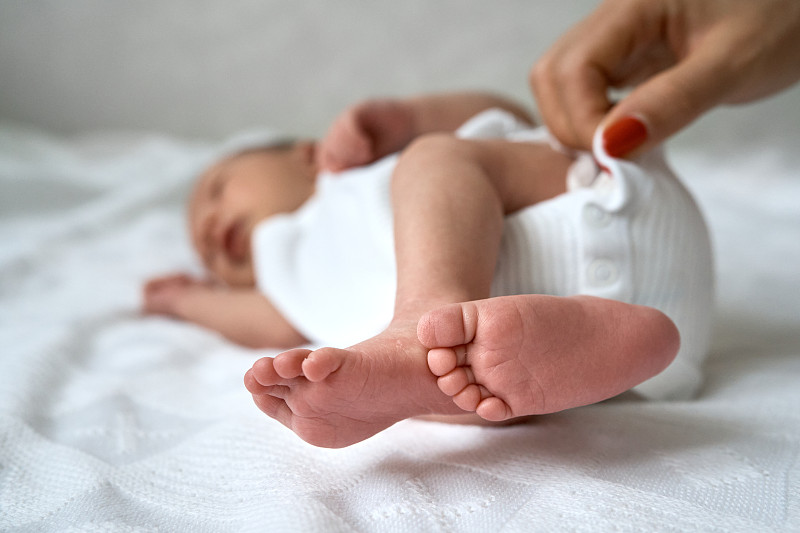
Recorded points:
(449, 198)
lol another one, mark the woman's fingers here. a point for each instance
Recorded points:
(686, 55)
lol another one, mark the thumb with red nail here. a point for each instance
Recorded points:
(682, 58)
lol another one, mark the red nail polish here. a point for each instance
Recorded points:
(624, 136)
(601, 166)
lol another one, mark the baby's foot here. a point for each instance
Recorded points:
(333, 398)
(532, 354)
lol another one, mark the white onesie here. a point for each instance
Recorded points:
(632, 233)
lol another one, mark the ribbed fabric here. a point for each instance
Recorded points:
(638, 238)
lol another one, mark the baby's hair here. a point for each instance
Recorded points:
(277, 146)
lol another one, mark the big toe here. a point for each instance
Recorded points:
(448, 326)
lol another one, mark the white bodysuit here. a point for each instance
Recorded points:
(632, 233)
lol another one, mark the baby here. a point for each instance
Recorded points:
(488, 271)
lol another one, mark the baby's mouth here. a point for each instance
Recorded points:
(234, 241)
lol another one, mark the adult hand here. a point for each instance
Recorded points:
(683, 56)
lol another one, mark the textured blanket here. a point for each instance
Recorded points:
(111, 421)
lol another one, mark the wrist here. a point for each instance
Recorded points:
(187, 300)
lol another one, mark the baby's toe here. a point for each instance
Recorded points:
(323, 362)
(274, 408)
(468, 398)
(493, 409)
(289, 364)
(450, 325)
(253, 386)
(455, 381)
(264, 372)
(442, 360)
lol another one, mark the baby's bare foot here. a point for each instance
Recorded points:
(333, 398)
(533, 354)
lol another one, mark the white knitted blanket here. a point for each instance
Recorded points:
(110, 421)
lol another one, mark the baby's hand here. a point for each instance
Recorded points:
(366, 132)
(162, 295)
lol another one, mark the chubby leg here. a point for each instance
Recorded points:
(449, 198)
(533, 354)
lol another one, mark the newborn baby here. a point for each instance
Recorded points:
(481, 269)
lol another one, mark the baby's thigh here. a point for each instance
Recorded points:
(525, 173)
(522, 173)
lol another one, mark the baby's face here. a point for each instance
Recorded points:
(237, 193)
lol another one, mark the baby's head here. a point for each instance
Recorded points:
(238, 192)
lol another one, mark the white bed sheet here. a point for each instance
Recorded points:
(110, 421)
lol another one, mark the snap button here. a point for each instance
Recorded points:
(602, 272)
(595, 216)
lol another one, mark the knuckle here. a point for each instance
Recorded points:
(541, 73)
(570, 69)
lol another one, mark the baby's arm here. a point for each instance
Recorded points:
(244, 316)
(447, 112)
(375, 128)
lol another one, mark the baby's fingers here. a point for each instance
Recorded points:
(346, 144)
(156, 285)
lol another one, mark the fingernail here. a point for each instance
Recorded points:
(624, 136)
